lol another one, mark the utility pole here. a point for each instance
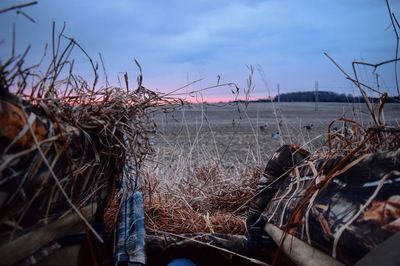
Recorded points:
(279, 94)
(316, 96)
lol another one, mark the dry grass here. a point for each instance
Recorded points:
(98, 130)
(72, 137)
(201, 196)
(187, 187)
(190, 176)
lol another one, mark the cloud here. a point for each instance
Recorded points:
(173, 38)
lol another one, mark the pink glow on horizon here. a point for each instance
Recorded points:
(217, 99)
(213, 99)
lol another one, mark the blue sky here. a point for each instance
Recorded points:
(177, 42)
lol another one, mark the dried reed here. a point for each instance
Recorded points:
(60, 126)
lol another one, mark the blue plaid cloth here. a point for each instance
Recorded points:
(130, 231)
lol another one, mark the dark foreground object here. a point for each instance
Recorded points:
(201, 249)
(346, 212)
(164, 248)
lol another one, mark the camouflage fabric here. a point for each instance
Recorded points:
(277, 170)
(29, 194)
(349, 216)
(46, 167)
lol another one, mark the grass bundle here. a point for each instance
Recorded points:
(356, 170)
(205, 202)
(74, 138)
(64, 141)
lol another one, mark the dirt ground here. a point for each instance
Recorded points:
(246, 133)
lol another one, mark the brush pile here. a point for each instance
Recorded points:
(344, 198)
(205, 200)
(64, 144)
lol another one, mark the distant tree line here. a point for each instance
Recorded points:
(310, 96)
(323, 96)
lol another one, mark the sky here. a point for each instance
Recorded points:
(177, 42)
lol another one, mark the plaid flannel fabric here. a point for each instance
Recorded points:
(131, 232)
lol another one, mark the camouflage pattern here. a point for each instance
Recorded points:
(29, 195)
(277, 170)
(347, 217)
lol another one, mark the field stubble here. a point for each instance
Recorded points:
(235, 133)
(208, 157)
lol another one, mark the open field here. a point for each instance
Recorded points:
(239, 133)
(208, 157)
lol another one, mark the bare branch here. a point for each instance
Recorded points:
(393, 19)
(26, 16)
(18, 6)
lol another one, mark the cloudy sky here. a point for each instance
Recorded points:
(179, 41)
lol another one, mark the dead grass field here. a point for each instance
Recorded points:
(208, 157)
(238, 133)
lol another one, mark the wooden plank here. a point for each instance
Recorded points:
(298, 251)
(26, 245)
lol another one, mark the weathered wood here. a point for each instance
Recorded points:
(234, 243)
(298, 251)
(199, 248)
(24, 246)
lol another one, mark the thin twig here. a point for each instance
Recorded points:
(18, 6)
(104, 70)
(26, 16)
(55, 178)
(392, 17)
